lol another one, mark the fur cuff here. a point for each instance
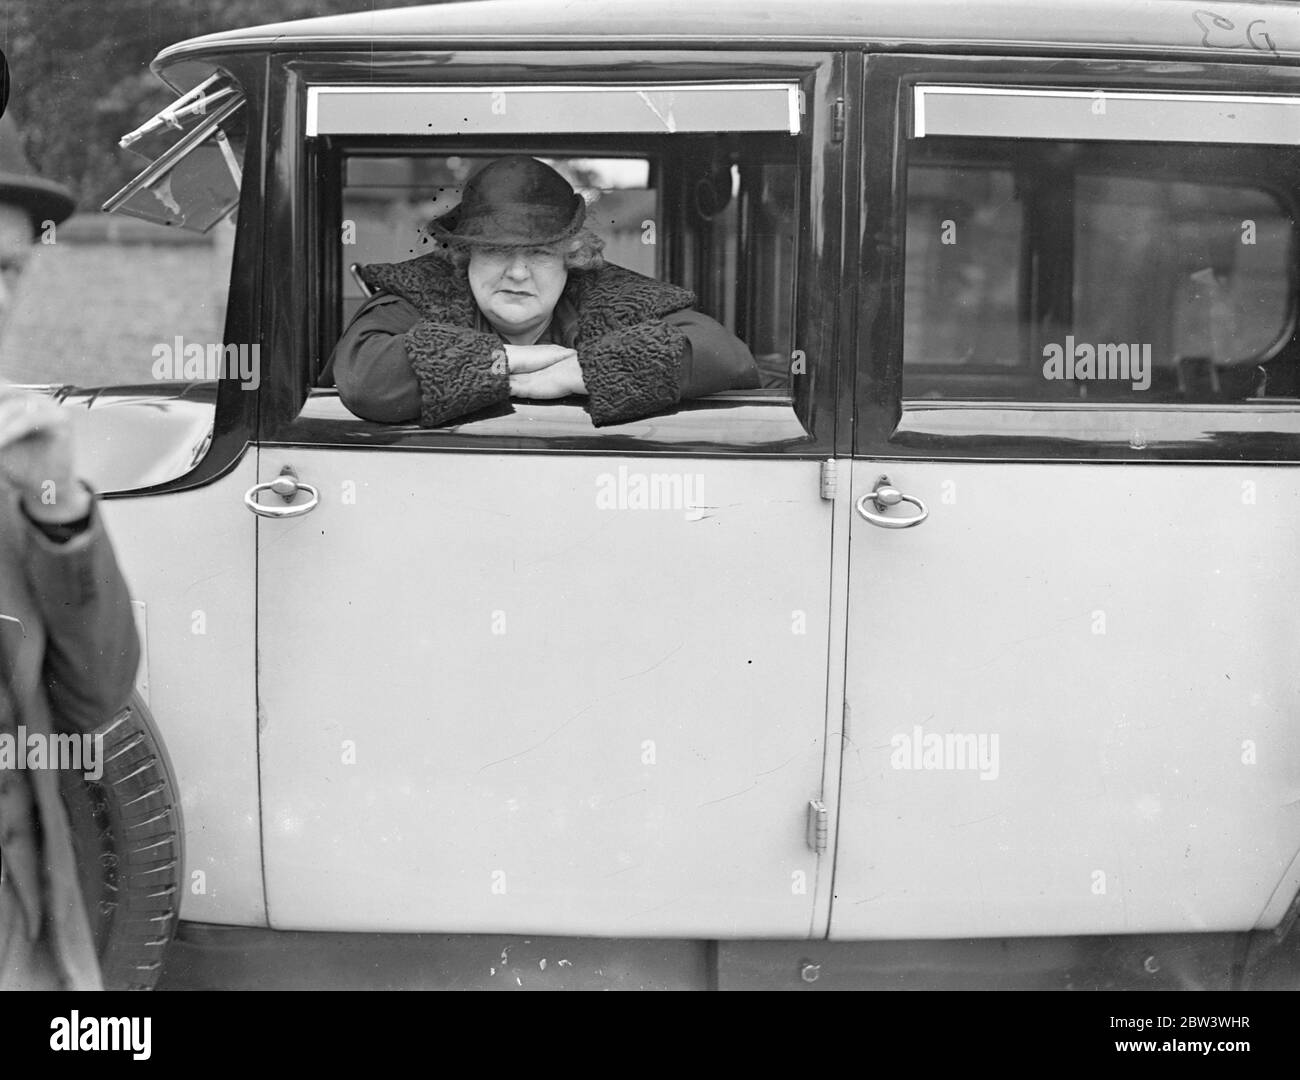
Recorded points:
(455, 370)
(632, 372)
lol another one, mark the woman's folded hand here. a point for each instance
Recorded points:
(557, 378)
(522, 359)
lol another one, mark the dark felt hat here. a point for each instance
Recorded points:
(44, 200)
(514, 201)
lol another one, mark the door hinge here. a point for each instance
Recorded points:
(830, 478)
(838, 113)
(817, 825)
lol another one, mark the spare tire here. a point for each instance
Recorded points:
(127, 833)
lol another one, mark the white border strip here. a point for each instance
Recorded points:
(315, 93)
(922, 91)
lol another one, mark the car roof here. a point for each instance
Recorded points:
(1228, 31)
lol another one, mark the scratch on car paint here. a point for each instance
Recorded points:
(14, 619)
(548, 738)
(638, 674)
(888, 744)
(779, 767)
(625, 869)
(201, 580)
(845, 737)
(976, 821)
(1032, 637)
(287, 527)
(734, 794)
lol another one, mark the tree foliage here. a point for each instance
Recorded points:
(80, 75)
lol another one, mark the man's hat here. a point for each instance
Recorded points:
(44, 200)
(514, 201)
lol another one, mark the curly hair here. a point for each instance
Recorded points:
(581, 252)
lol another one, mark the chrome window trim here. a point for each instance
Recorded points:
(1104, 114)
(395, 110)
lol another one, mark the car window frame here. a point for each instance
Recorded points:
(890, 427)
(820, 76)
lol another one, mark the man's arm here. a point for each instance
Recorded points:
(91, 648)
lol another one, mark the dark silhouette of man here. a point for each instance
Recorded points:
(68, 646)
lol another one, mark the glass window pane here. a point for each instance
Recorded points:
(719, 218)
(1214, 296)
(1041, 271)
(963, 254)
(195, 183)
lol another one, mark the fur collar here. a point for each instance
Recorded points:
(608, 299)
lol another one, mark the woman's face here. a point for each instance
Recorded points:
(517, 289)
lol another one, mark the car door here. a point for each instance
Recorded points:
(517, 674)
(1070, 703)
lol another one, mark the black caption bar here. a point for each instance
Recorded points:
(141, 1031)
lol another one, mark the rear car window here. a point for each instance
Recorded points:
(1046, 270)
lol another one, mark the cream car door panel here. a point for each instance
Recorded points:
(500, 694)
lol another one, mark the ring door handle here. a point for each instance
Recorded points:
(286, 485)
(882, 497)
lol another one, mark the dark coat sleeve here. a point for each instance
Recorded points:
(91, 648)
(715, 359)
(650, 366)
(369, 364)
(392, 366)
